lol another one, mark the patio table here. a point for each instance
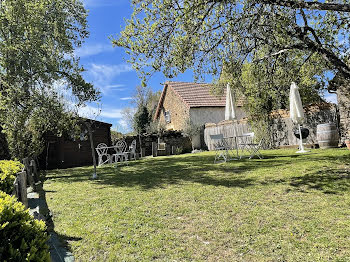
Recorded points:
(232, 142)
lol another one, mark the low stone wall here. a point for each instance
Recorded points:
(172, 138)
(281, 127)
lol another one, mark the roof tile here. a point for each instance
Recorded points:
(198, 94)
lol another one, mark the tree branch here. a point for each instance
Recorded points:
(308, 5)
(286, 49)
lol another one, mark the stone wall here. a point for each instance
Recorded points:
(281, 128)
(179, 112)
(172, 138)
(343, 97)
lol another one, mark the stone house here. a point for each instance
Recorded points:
(181, 101)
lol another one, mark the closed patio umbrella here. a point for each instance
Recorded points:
(230, 112)
(296, 111)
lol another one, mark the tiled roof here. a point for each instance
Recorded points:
(197, 94)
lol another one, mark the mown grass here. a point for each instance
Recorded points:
(285, 207)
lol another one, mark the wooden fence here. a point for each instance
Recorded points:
(28, 177)
(281, 127)
(227, 128)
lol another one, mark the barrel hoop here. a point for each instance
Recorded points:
(330, 131)
(329, 124)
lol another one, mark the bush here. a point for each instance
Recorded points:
(8, 171)
(22, 238)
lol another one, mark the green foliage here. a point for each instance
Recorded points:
(8, 171)
(22, 238)
(37, 65)
(155, 127)
(115, 135)
(191, 129)
(141, 119)
(203, 35)
(265, 87)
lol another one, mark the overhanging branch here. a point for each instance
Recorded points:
(308, 5)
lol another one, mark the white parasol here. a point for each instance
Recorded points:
(296, 111)
(230, 112)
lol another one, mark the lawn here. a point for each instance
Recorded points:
(285, 207)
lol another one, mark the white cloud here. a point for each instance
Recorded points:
(331, 98)
(93, 49)
(111, 113)
(102, 75)
(126, 98)
(109, 71)
(97, 112)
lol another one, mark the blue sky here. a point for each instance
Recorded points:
(106, 66)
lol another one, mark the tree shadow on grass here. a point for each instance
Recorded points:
(328, 181)
(159, 172)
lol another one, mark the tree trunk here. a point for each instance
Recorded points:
(88, 125)
(344, 110)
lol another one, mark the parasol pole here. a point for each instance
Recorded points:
(301, 148)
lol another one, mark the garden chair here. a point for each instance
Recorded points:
(132, 150)
(220, 147)
(102, 152)
(120, 152)
(249, 144)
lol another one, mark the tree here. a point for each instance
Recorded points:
(141, 120)
(266, 39)
(144, 96)
(37, 41)
(173, 35)
(128, 117)
(115, 136)
(191, 130)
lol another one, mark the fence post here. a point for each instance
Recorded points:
(21, 188)
(34, 169)
(154, 149)
(28, 169)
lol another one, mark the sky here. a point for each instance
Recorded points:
(106, 65)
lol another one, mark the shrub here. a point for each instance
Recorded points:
(22, 238)
(8, 171)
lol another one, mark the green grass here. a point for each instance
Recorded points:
(285, 207)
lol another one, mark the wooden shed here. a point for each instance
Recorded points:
(65, 151)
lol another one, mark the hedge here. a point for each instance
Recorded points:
(22, 238)
(8, 171)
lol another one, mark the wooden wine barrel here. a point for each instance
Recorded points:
(327, 135)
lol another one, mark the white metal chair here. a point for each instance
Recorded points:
(249, 144)
(120, 152)
(220, 147)
(102, 152)
(132, 150)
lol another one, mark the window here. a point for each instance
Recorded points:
(167, 116)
